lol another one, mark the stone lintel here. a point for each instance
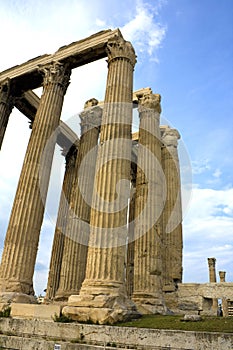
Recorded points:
(26, 75)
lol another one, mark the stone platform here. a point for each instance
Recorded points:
(44, 335)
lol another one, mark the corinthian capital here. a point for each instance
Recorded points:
(56, 73)
(170, 136)
(150, 101)
(211, 262)
(5, 93)
(119, 48)
(91, 116)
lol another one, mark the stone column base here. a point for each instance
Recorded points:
(13, 297)
(149, 304)
(105, 305)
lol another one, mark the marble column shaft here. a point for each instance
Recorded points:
(6, 105)
(62, 216)
(222, 276)
(104, 283)
(130, 246)
(213, 279)
(172, 212)
(21, 242)
(106, 253)
(212, 270)
(77, 231)
(148, 208)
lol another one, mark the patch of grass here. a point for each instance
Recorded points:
(6, 312)
(208, 324)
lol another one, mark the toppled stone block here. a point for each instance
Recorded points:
(193, 318)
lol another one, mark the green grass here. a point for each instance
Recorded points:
(208, 324)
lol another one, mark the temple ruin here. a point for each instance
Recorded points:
(117, 248)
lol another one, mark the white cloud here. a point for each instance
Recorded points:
(200, 166)
(144, 30)
(208, 231)
(217, 173)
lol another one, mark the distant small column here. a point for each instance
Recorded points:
(6, 105)
(147, 293)
(59, 235)
(103, 296)
(22, 238)
(78, 226)
(222, 276)
(213, 279)
(212, 270)
(172, 211)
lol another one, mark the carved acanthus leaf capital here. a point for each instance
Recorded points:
(170, 136)
(92, 114)
(211, 262)
(150, 101)
(70, 155)
(56, 73)
(119, 48)
(5, 94)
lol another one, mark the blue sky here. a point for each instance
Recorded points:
(185, 53)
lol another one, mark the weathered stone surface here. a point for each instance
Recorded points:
(22, 237)
(14, 297)
(196, 296)
(108, 221)
(6, 105)
(193, 318)
(83, 51)
(100, 308)
(172, 211)
(78, 217)
(30, 334)
(62, 217)
(147, 293)
(31, 311)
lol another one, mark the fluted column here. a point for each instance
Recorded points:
(21, 243)
(222, 276)
(59, 235)
(148, 207)
(213, 279)
(103, 295)
(172, 212)
(130, 246)
(212, 269)
(77, 232)
(6, 105)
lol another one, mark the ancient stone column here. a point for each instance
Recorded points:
(172, 212)
(213, 279)
(59, 235)
(103, 294)
(222, 276)
(212, 271)
(130, 245)
(21, 242)
(148, 208)
(6, 105)
(78, 227)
